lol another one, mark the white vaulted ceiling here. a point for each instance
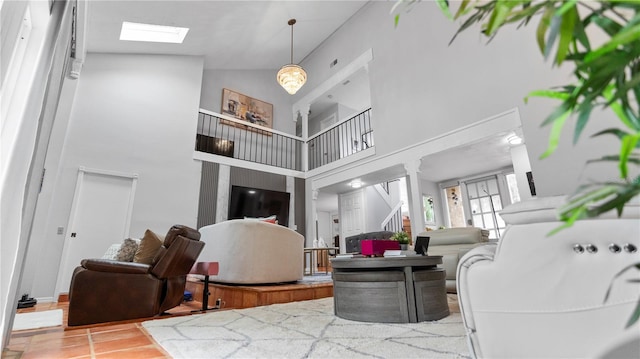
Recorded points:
(229, 34)
(254, 35)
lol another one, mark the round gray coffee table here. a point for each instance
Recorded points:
(389, 290)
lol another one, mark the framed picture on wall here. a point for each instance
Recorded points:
(246, 108)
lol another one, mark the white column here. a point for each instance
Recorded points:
(304, 117)
(414, 194)
(224, 182)
(291, 188)
(311, 197)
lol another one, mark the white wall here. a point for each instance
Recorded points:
(376, 209)
(131, 114)
(421, 87)
(324, 227)
(19, 131)
(259, 84)
(520, 160)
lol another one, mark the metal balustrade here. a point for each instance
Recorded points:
(341, 140)
(226, 136)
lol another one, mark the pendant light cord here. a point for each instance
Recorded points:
(292, 22)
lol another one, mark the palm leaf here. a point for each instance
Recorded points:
(625, 36)
(444, 7)
(543, 26)
(583, 117)
(567, 24)
(629, 142)
(554, 136)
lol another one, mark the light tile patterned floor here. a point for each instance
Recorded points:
(127, 340)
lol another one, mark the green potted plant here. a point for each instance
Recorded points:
(402, 238)
(606, 76)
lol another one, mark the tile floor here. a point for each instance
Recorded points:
(122, 340)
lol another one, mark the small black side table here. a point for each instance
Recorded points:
(206, 269)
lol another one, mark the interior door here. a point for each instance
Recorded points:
(352, 213)
(100, 216)
(484, 202)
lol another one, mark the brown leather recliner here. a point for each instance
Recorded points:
(106, 290)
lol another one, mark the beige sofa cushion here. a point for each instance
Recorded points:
(463, 235)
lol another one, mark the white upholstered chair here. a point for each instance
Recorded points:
(539, 296)
(452, 244)
(253, 252)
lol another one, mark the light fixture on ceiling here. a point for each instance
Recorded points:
(132, 31)
(355, 183)
(291, 77)
(514, 140)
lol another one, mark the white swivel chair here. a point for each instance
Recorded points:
(537, 296)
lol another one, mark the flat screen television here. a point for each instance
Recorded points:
(256, 202)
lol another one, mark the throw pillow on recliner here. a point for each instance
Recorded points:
(148, 248)
(112, 251)
(127, 251)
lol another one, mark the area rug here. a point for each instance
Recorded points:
(36, 320)
(306, 329)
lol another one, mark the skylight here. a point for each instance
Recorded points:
(132, 31)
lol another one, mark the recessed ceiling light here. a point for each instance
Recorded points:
(132, 31)
(355, 184)
(514, 140)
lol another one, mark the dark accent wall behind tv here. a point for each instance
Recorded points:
(257, 202)
(247, 178)
(208, 194)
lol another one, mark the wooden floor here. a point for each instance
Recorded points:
(129, 339)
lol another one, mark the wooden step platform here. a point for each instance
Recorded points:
(244, 296)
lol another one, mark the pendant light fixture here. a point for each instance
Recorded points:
(291, 77)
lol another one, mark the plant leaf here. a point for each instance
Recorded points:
(613, 131)
(558, 95)
(635, 159)
(616, 107)
(444, 7)
(625, 36)
(554, 29)
(583, 117)
(629, 142)
(584, 199)
(617, 275)
(554, 136)
(606, 24)
(500, 13)
(567, 24)
(569, 221)
(462, 10)
(634, 316)
(543, 26)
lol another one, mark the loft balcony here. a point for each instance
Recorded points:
(222, 135)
